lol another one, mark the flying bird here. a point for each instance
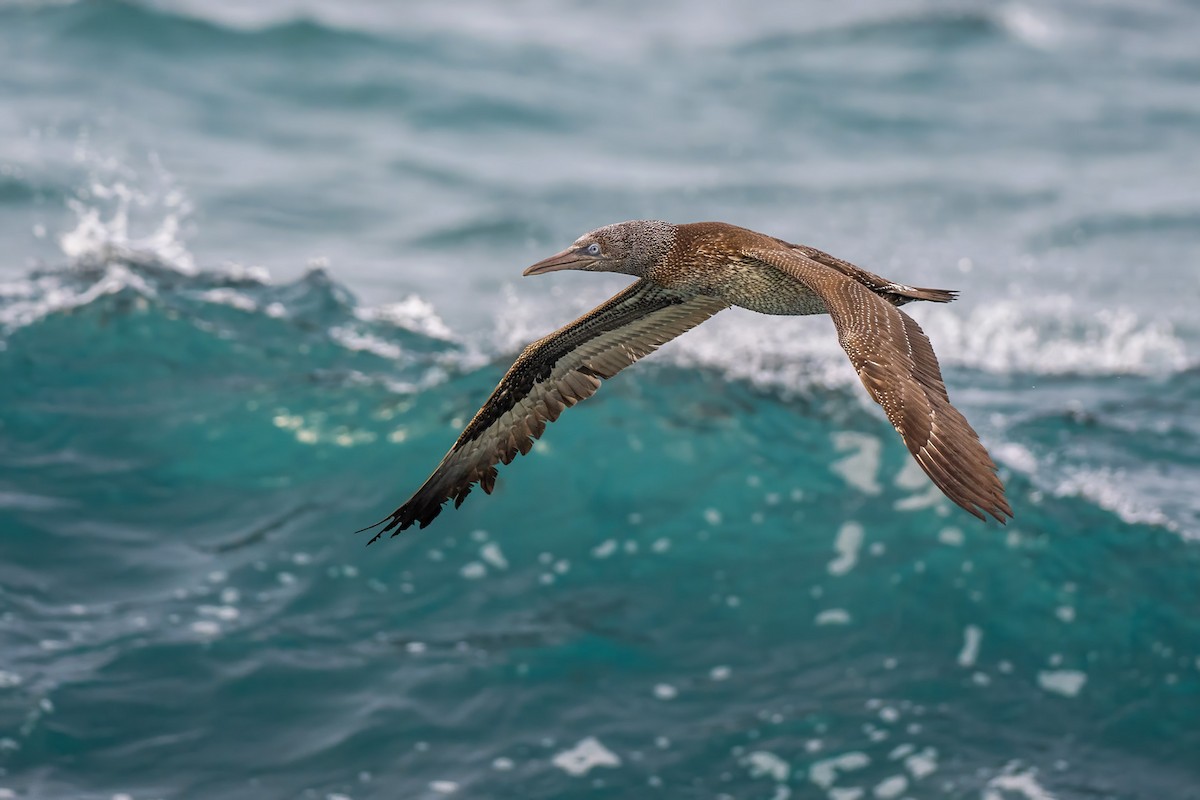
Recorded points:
(685, 274)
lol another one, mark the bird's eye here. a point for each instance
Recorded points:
(593, 249)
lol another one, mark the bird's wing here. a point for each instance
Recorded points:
(553, 373)
(896, 363)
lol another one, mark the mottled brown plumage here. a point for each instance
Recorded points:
(687, 273)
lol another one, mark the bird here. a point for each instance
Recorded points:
(685, 274)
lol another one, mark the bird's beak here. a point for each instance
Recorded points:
(567, 259)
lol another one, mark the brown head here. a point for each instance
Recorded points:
(630, 248)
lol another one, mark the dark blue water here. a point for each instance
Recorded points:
(261, 263)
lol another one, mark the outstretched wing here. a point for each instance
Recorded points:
(553, 373)
(896, 363)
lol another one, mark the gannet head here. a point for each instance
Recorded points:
(630, 248)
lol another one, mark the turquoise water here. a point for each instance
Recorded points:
(262, 261)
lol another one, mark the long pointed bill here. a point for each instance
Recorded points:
(567, 259)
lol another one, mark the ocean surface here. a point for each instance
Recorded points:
(260, 261)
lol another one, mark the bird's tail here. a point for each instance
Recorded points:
(895, 293)
(899, 294)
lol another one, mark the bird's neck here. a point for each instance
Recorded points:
(650, 244)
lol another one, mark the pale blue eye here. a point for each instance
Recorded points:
(593, 249)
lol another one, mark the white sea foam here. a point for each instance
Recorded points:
(1012, 784)
(972, 637)
(492, 554)
(911, 476)
(888, 788)
(112, 207)
(833, 616)
(206, 628)
(412, 313)
(923, 764)
(1054, 335)
(951, 536)
(763, 763)
(473, 570)
(226, 613)
(847, 544)
(1028, 26)
(605, 548)
(1066, 682)
(845, 793)
(860, 468)
(585, 756)
(781, 353)
(30, 300)
(825, 773)
(230, 297)
(103, 247)
(1111, 490)
(357, 340)
(1015, 456)
(667, 26)
(665, 691)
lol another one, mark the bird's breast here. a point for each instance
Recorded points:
(746, 283)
